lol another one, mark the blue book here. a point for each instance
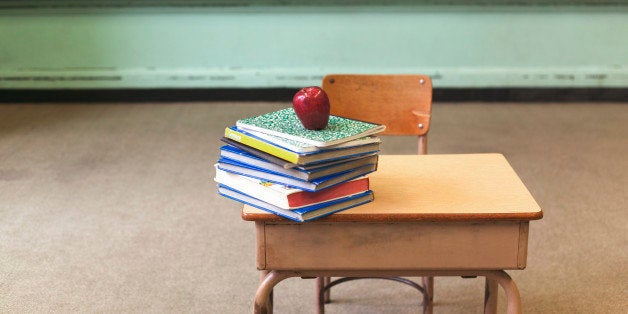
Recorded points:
(301, 214)
(317, 184)
(303, 173)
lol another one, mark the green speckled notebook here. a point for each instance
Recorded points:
(286, 124)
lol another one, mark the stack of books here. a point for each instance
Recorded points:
(273, 163)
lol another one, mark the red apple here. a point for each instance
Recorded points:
(312, 107)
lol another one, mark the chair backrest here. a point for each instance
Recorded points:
(401, 102)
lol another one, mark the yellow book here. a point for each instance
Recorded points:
(362, 146)
(262, 145)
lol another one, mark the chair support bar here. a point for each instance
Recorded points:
(408, 282)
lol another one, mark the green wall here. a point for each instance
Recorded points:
(160, 44)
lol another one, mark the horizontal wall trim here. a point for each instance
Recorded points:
(290, 77)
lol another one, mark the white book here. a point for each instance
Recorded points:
(302, 147)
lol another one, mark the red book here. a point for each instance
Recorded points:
(286, 197)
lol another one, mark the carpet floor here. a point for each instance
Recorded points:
(112, 208)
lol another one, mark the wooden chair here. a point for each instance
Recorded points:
(401, 102)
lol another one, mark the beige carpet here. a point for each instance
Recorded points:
(111, 208)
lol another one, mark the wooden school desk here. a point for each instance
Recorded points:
(433, 215)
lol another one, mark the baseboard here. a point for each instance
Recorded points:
(285, 94)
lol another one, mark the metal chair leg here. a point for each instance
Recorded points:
(265, 289)
(269, 303)
(320, 298)
(490, 296)
(512, 292)
(428, 296)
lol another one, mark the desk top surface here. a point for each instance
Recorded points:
(437, 187)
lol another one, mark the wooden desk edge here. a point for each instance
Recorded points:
(267, 217)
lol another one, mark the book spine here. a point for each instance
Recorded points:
(261, 145)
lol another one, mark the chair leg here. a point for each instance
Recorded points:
(422, 145)
(326, 282)
(428, 297)
(321, 283)
(320, 299)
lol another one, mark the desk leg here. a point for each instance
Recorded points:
(269, 302)
(512, 292)
(490, 296)
(500, 277)
(262, 296)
